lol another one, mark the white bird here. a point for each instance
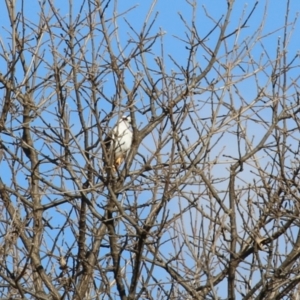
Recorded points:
(118, 142)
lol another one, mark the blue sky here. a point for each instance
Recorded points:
(168, 21)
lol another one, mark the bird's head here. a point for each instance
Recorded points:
(126, 119)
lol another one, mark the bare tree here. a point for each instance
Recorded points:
(206, 203)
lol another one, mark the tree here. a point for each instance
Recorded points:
(206, 204)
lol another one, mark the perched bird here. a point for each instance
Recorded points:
(118, 142)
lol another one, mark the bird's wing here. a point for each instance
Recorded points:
(113, 141)
(108, 144)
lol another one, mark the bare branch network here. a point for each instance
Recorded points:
(138, 163)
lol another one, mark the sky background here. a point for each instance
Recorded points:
(169, 21)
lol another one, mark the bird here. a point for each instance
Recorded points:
(118, 142)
